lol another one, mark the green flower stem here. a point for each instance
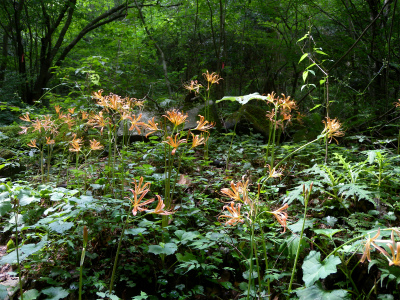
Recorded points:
(119, 247)
(250, 261)
(16, 249)
(80, 272)
(273, 135)
(265, 258)
(230, 146)
(306, 198)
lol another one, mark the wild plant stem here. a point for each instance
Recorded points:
(266, 259)
(81, 272)
(17, 250)
(230, 146)
(118, 249)
(298, 247)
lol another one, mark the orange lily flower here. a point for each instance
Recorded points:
(234, 216)
(193, 86)
(135, 122)
(281, 216)
(176, 117)
(202, 124)
(57, 108)
(75, 144)
(139, 189)
(95, 145)
(332, 129)
(24, 130)
(25, 118)
(174, 143)
(159, 210)
(367, 249)
(212, 78)
(236, 190)
(273, 173)
(49, 141)
(71, 110)
(137, 205)
(32, 144)
(152, 126)
(197, 140)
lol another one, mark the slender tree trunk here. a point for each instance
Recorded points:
(163, 61)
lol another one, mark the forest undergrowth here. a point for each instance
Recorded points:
(198, 214)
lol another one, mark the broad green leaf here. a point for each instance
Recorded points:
(136, 231)
(314, 269)
(316, 292)
(4, 195)
(185, 236)
(303, 57)
(168, 248)
(56, 196)
(296, 227)
(328, 232)
(26, 200)
(243, 99)
(24, 252)
(188, 257)
(5, 207)
(31, 294)
(3, 291)
(60, 226)
(55, 293)
(294, 244)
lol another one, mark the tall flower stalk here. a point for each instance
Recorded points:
(139, 191)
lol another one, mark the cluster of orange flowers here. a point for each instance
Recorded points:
(211, 79)
(332, 129)
(283, 106)
(139, 192)
(45, 127)
(239, 193)
(393, 259)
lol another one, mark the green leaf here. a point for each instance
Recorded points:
(60, 226)
(3, 291)
(320, 52)
(303, 57)
(56, 196)
(314, 269)
(305, 74)
(304, 37)
(243, 99)
(316, 292)
(5, 207)
(31, 294)
(26, 200)
(136, 231)
(55, 293)
(356, 190)
(299, 224)
(328, 232)
(24, 252)
(168, 248)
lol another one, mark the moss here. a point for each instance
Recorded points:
(255, 115)
(6, 153)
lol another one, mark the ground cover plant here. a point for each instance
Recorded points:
(196, 213)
